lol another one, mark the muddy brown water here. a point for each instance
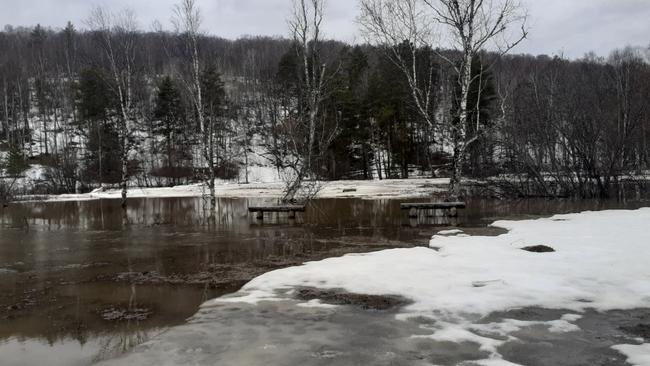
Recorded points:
(82, 281)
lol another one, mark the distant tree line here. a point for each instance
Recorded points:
(117, 105)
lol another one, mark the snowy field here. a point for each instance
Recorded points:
(454, 289)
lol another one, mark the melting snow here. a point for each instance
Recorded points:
(636, 355)
(601, 263)
(366, 189)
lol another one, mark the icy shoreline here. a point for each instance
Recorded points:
(600, 263)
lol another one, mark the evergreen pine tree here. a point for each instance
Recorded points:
(16, 163)
(389, 103)
(102, 160)
(351, 149)
(170, 122)
(214, 100)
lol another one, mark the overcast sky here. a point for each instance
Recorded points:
(571, 27)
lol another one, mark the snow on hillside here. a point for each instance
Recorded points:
(28, 179)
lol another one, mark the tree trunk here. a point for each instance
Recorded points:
(125, 169)
(456, 176)
(460, 130)
(294, 187)
(246, 161)
(209, 153)
(6, 110)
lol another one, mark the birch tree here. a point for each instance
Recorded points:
(187, 21)
(468, 27)
(117, 34)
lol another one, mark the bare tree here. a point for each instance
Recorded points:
(468, 27)
(400, 29)
(6, 190)
(305, 27)
(117, 34)
(474, 25)
(187, 21)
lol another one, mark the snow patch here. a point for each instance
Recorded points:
(600, 263)
(317, 304)
(450, 232)
(637, 355)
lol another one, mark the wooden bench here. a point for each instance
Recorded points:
(290, 209)
(415, 207)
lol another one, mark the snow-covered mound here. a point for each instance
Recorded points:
(600, 262)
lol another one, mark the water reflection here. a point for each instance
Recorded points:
(18, 351)
(84, 281)
(75, 274)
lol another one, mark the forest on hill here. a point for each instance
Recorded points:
(115, 104)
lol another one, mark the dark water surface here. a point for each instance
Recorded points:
(82, 281)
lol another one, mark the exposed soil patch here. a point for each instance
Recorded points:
(340, 297)
(212, 276)
(539, 249)
(639, 330)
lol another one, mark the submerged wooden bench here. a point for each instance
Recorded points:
(290, 209)
(415, 207)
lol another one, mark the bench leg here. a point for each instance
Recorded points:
(413, 213)
(292, 215)
(260, 215)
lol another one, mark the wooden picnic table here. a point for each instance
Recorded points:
(291, 209)
(415, 207)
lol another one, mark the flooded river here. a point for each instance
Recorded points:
(84, 281)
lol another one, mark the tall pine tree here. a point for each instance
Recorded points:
(102, 159)
(170, 122)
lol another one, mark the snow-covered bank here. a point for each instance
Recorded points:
(600, 262)
(405, 188)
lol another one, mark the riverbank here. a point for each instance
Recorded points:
(364, 189)
(470, 300)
